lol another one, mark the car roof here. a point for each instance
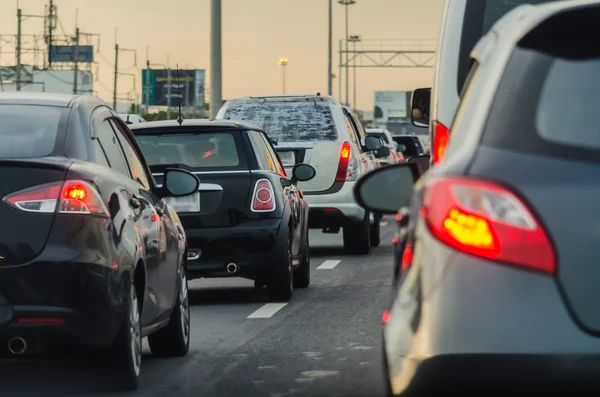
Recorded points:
(284, 97)
(201, 125)
(37, 98)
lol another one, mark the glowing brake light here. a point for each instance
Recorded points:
(343, 164)
(407, 255)
(441, 135)
(263, 199)
(72, 197)
(487, 220)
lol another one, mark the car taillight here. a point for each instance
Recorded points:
(407, 255)
(72, 197)
(487, 220)
(263, 199)
(441, 135)
(345, 153)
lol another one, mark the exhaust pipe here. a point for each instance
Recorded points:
(17, 346)
(232, 268)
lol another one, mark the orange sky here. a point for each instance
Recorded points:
(255, 34)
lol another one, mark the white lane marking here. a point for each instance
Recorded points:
(329, 264)
(268, 310)
(383, 224)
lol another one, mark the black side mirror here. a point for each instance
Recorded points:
(372, 143)
(368, 191)
(303, 173)
(420, 102)
(179, 183)
(383, 152)
(422, 162)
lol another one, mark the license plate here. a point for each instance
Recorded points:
(287, 158)
(189, 203)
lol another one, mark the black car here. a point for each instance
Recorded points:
(251, 219)
(409, 145)
(90, 254)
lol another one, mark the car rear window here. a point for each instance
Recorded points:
(196, 150)
(286, 120)
(29, 131)
(480, 16)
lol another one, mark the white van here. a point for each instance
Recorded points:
(317, 130)
(464, 22)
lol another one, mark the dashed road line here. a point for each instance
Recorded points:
(329, 264)
(268, 310)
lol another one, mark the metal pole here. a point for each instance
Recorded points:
(216, 78)
(76, 68)
(168, 93)
(283, 74)
(347, 60)
(19, 18)
(116, 77)
(354, 73)
(50, 17)
(340, 75)
(330, 52)
(147, 86)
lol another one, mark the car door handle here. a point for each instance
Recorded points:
(135, 203)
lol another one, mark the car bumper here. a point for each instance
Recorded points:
(450, 305)
(339, 206)
(254, 246)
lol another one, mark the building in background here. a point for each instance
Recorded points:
(37, 80)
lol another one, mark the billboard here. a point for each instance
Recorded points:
(66, 53)
(186, 85)
(391, 106)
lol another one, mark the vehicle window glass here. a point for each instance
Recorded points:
(263, 153)
(100, 156)
(286, 120)
(480, 16)
(359, 126)
(136, 167)
(108, 139)
(22, 135)
(273, 155)
(380, 135)
(557, 111)
(352, 131)
(472, 72)
(200, 150)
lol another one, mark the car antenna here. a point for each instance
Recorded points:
(179, 117)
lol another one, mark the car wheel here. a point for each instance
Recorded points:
(126, 349)
(174, 339)
(376, 231)
(357, 238)
(302, 275)
(280, 286)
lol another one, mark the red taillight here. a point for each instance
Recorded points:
(386, 317)
(263, 199)
(407, 256)
(77, 197)
(40, 320)
(344, 161)
(487, 220)
(441, 135)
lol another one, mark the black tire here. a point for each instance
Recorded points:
(280, 285)
(357, 239)
(376, 231)
(125, 353)
(174, 339)
(302, 275)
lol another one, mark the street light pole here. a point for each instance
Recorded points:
(283, 62)
(354, 40)
(330, 52)
(347, 3)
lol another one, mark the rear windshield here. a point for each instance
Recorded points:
(29, 131)
(197, 151)
(286, 121)
(480, 16)
(556, 112)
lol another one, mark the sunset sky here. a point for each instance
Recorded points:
(256, 33)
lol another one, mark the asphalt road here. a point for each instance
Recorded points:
(325, 342)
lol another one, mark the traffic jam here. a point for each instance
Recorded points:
(109, 224)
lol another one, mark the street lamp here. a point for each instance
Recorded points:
(283, 62)
(354, 40)
(347, 3)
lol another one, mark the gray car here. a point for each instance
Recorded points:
(500, 286)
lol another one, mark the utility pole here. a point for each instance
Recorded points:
(216, 73)
(168, 92)
(354, 40)
(50, 22)
(19, 20)
(116, 77)
(147, 86)
(347, 4)
(340, 73)
(76, 67)
(330, 52)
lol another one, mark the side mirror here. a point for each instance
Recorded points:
(368, 190)
(178, 183)
(422, 162)
(303, 172)
(373, 143)
(420, 102)
(383, 152)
